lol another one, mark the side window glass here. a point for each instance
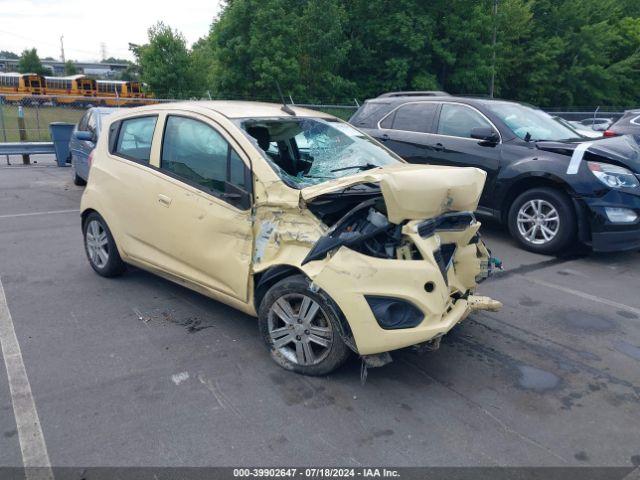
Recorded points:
(237, 171)
(197, 153)
(415, 117)
(136, 135)
(82, 124)
(459, 120)
(388, 121)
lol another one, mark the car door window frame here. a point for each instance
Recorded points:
(114, 135)
(248, 173)
(393, 113)
(439, 114)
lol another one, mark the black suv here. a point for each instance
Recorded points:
(629, 123)
(545, 181)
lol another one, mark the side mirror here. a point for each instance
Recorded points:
(85, 136)
(236, 195)
(486, 134)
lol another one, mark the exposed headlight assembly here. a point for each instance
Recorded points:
(613, 176)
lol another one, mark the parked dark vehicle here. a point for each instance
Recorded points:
(597, 124)
(546, 182)
(629, 123)
(83, 141)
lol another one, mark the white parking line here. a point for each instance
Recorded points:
(586, 296)
(32, 445)
(50, 212)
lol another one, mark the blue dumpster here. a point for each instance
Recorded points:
(61, 135)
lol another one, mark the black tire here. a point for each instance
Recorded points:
(329, 357)
(78, 180)
(113, 266)
(565, 229)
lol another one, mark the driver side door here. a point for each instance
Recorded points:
(202, 216)
(452, 143)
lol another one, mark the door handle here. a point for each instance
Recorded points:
(164, 200)
(438, 147)
(384, 138)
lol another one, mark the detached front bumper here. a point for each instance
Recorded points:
(351, 277)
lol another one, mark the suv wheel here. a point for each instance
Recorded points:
(542, 220)
(101, 248)
(301, 328)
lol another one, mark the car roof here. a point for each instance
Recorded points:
(474, 101)
(235, 109)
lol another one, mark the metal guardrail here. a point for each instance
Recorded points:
(26, 148)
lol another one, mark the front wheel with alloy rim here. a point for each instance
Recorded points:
(543, 220)
(301, 328)
(101, 247)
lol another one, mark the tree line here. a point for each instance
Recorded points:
(547, 52)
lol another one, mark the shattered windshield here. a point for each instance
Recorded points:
(526, 121)
(308, 151)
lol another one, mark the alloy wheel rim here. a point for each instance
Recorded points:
(538, 221)
(97, 244)
(299, 329)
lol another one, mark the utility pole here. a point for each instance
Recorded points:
(62, 48)
(493, 59)
(103, 51)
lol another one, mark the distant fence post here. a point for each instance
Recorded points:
(22, 131)
(38, 119)
(4, 129)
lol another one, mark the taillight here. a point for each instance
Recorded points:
(609, 133)
(90, 158)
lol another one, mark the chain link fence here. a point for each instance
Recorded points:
(27, 119)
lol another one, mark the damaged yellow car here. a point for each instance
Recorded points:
(291, 215)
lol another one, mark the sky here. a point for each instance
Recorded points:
(88, 24)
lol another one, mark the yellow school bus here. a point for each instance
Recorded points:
(14, 86)
(119, 92)
(71, 89)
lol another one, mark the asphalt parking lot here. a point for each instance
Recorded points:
(137, 371)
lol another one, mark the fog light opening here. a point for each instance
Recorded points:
(429, 287)
(620, 215)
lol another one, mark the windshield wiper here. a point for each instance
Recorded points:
(365, 166)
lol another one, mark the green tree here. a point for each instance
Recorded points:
(201, 64)
(30, 63)
(299, 44)
(115, 60)
(8, 54)
(70, 68)
(165, 64)
(548, 52)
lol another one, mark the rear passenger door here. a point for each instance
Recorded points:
(202, 216)
(131, 182)
(406, 129)
(453, 145)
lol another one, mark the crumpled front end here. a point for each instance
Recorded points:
(420, 295)
(391, 250)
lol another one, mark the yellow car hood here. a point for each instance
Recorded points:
(414, 192)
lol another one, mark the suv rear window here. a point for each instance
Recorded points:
(134, 139)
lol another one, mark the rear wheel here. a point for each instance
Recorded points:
(301, 328)
(543, 220)
(100, 247)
